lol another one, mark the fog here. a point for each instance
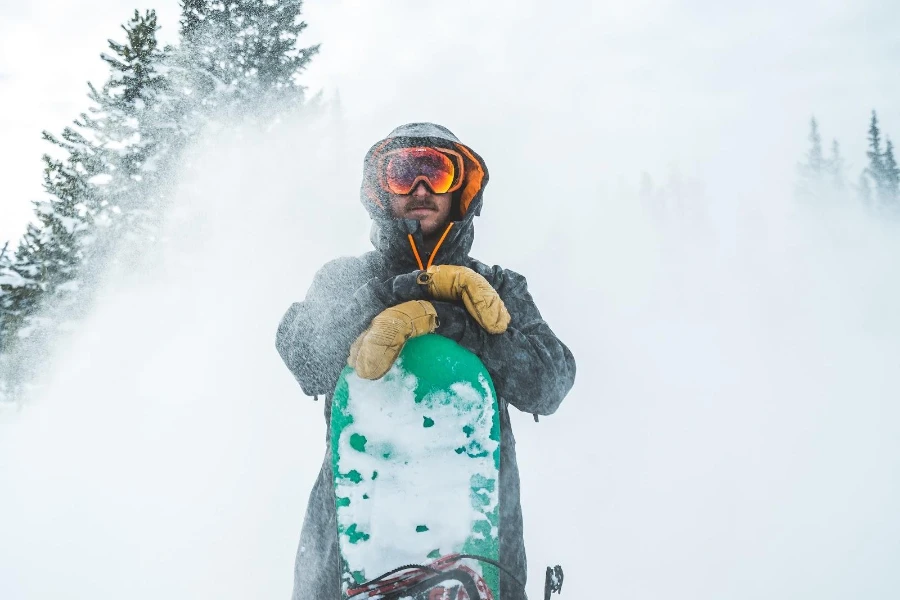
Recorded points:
(734, 430)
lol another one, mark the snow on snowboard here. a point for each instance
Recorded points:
(416, 458)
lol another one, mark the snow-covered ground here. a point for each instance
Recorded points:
(734, 431)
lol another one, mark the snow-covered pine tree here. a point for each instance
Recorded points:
(134, 121)
(21, 289)
(13, 288)
(238, 66)
(112, 170)
(53, 252)
(815, 157)
(13, 291)
(876, 169)
(49, 260)
(100, 187)
(5, 263)
(236, 59)
(242, 57)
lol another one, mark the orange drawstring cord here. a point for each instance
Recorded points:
(412, 244)
(440, 241)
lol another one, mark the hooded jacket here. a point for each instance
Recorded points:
(531, 368)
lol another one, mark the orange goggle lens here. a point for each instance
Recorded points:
(406, 167)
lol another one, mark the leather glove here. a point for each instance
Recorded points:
(461, 284)
(376, 348)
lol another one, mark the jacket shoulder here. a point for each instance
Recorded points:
(500, 278)
(339, 276)
(345, 268)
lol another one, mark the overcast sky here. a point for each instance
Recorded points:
(733, 432)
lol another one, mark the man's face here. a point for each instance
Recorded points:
(430, 209)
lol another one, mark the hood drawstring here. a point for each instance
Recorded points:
(415, 250)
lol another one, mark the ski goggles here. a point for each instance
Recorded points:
(402, 169)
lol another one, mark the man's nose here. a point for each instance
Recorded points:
(421, 190)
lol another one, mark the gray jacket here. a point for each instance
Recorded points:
(531, 368)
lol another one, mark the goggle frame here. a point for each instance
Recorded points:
(455, 158)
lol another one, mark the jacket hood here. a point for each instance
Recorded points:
(389, 235)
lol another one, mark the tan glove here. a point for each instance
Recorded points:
(376, 349)
(462, 284)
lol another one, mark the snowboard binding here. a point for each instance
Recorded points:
(444, 579)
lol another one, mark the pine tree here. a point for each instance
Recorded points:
(52, 252)
(243, 56)
(883, 170)
(20, 296)
(134, 120)
(118, 160)
(876, 169)
(11, 283)
(815, 158)
(836, 167)
(4, 261)
(99, 189)
(48, 262)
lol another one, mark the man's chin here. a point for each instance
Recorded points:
(426, 221)
(428, 228)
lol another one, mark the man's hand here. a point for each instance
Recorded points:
(376, 349)
(461, 284)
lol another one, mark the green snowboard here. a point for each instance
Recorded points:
(416, 458)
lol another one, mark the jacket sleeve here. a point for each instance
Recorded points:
(315, 335)
(531, 368)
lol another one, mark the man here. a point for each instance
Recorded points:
(423, 189)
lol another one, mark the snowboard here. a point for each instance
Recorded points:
(416, 458)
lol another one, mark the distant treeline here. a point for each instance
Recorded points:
(825, 176)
